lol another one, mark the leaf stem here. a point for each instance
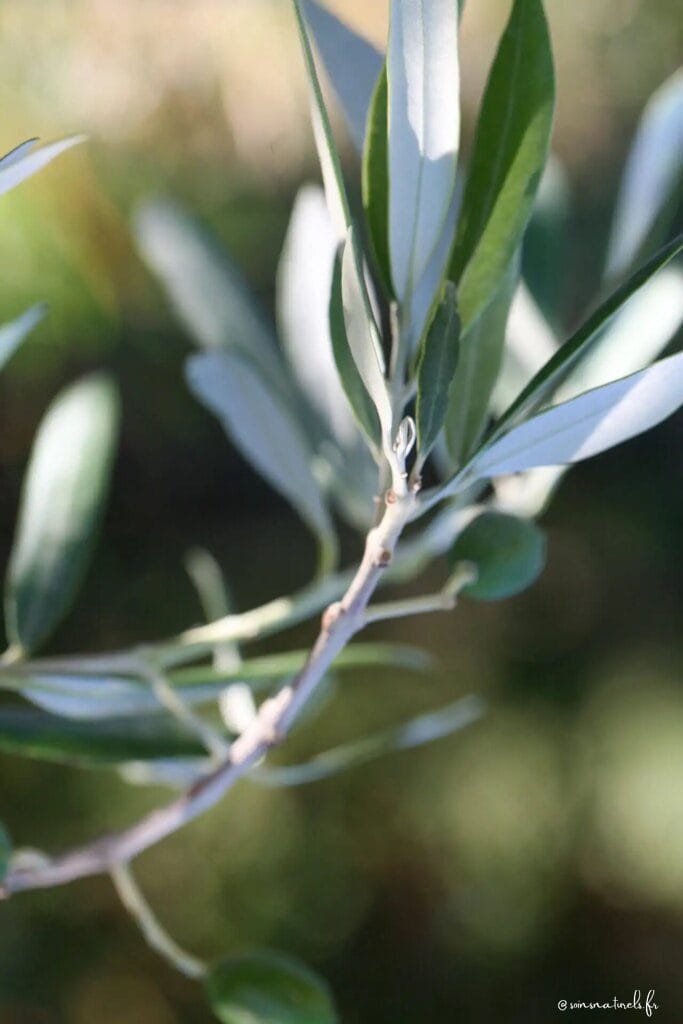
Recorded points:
(166, 695)
(155, 935)
(443, 601)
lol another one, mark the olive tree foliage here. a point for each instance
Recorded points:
(412, 387)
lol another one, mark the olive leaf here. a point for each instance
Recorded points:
(510, 151)
(28, 158)
(266, 433)
(507, 552)
(437, 361)
(587, 425)
(13, 333)
(267, 988)
(63, 499)
(423, 100)
(351, 62)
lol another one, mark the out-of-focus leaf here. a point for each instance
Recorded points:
(27, 158)
(90, 696)
(304, 286)
(271, 667)
(638, 335)
(481, 355)
(5, 851)
(417, 732)
(31, 733)
(205, 573)
(264, 430)
(436, 366)
(510, 150)
(545, 249)
(361, 404)
(176, 772)
(529, 344)
(350, 476)
(98, 697)
(13, 333)
(375, 180)
(652, 173)
(362, 334)
(424, 132)
(203, 286)
(507, 552)
(63, 499)
(587, 425)
(330, 165)
(268, 988)
(567, 357)
(351, 62)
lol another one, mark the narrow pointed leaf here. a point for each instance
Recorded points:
(508, 553)
(83, 695)
(263, 429)
(28, 158)
(13, 333)
(424, 131)
(435, 369)
(567, 357)
(375, 180)
(480, 359)
(362, 334)
(272, 667)
(5, 851)
(529, 343)
(94, 698)
(635, 338)
(330, 164)
(268, 988)
(546, 242)
(351, 62)
(428, 288)
(64, 493)
(652, 174)
(32, 733)
(587, 425)
(204, 287)
(304, 286)
(416, 733)
(510, 151)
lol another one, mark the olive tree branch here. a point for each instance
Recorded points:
(340, 622)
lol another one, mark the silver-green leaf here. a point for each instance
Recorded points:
(63, 500)
(481, 355)
(351, 62)
(363, 335)
(510, 151)
(268, 988)
(435, 369)
(424, 132)
(651, 176)
(417, 732)
(13, 333)
(28, 158)
(265, 431)
(586, 425)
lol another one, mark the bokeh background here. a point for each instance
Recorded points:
(535, 857)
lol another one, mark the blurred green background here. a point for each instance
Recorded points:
(534, 857)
